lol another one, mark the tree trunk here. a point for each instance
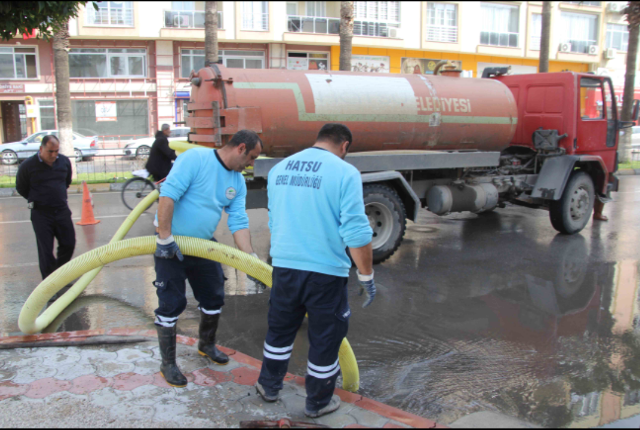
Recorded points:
(633, 16)
(210, 33)
(544, 37)
(63, 95)
(346, 34)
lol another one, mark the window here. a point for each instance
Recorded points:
(112, 13)
(316, 8)
(132, 118)
(18, 63)
(374, 18)
(591, 99)
(193, 59)
(580, 30)
(47, 115)
(442, 22)
(536, 31)
(618, 37)
(307, 61)
(499, 25)
(189, 14)
(292, 8)
(585, 3)
(107, 63)
(255, 15)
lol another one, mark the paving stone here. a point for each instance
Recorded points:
(367, 418)
(110, 369)
(9, 389)
(33, 372)
(245, 375)
(89, 383)
(147, 366)
(58, 357)
(395, 425)
(16, 361)
(255, 405)
(96, 357)
(73, 371)
(131, 412)
(45, 387)
(295, 406)
(149, 395)
(336, 419)
(7, 374)
(171, 410)
(209, 378)
(130, 381)
(130, 355)
(108, 397)
(64, 395)
(192, 361)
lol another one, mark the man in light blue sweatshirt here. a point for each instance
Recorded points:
(316, 211)
(200, 185)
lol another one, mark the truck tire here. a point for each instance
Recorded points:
(387, 217)
(571, 213)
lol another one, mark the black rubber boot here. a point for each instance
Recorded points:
(207, 342)
(169, 369)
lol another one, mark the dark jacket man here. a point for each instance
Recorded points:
(43, 180)
(160, 157)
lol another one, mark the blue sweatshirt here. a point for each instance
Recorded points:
(316, 210)
(201, 186)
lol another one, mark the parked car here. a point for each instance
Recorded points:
(16, 152)
(141, 147)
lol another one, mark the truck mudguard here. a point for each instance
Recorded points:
(555, 173)
(409, 198)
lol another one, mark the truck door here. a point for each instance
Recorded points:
(596, 121)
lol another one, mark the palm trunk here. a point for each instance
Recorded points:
(633, 15)
(544, 37)
(346, 34)
(63, 95)
(210, 33)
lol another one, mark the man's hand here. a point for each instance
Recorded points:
(367, 285)
(254, 280)
(167, 248)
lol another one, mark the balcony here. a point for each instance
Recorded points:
(442, 33)
(187, 19)
(313, 24)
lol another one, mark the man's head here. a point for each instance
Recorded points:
(49, 149)
(166, 129)
(243, 149)
(337, 135)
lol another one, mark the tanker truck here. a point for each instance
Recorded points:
(440, 142)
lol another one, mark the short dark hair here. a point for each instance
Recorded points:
(248, 137)
(47, 138)
(335, 133)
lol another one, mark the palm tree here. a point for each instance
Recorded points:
(633, 18)
(210, 33)
(346, 34)
(544, 37)
(63, 95)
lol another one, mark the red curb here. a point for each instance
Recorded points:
(226, 350)
(396, 414)
(88, 383)
(245, 359)
(45, 387)
(185, 340)
(122, 332)
(245, 376)
(299, 380)
(9, 389)
(392, 426)
(356, 426)
(348, 397)
(208, 378)
(130, 381)
(68, 335)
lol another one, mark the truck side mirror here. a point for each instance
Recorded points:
(636, 110)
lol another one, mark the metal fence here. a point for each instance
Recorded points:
(105, 166)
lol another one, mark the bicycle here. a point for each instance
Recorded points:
(137, 188)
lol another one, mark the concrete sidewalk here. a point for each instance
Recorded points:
(119, 385)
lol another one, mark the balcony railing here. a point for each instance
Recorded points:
(495, 38)
(373, 28)
(442, 34)
(187, 19)
(255, 21)
(580, 46)
(110, 17)
(313, 24)
(535, 43)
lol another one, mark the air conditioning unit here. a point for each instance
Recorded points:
(181, 21)
(395, 33)
(593, 49)
(610, 54)
(565, 47)
(616, 7)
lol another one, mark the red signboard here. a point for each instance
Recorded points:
(11, 88)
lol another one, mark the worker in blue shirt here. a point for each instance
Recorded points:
(200, 185)
(316, 210)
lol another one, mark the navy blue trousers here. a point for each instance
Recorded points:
(47, 224)
(324, 297)
(205, 277)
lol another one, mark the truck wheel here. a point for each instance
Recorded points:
(571, 213)
(387, 217)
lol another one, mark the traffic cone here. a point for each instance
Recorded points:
(87, 208)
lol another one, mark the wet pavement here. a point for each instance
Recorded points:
(477, 317)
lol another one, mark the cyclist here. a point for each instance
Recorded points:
(160, 157)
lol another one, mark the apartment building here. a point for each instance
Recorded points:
(130, 61)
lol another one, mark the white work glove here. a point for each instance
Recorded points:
(254, 280)
(367, 285)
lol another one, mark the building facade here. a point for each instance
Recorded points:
(130, 61)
